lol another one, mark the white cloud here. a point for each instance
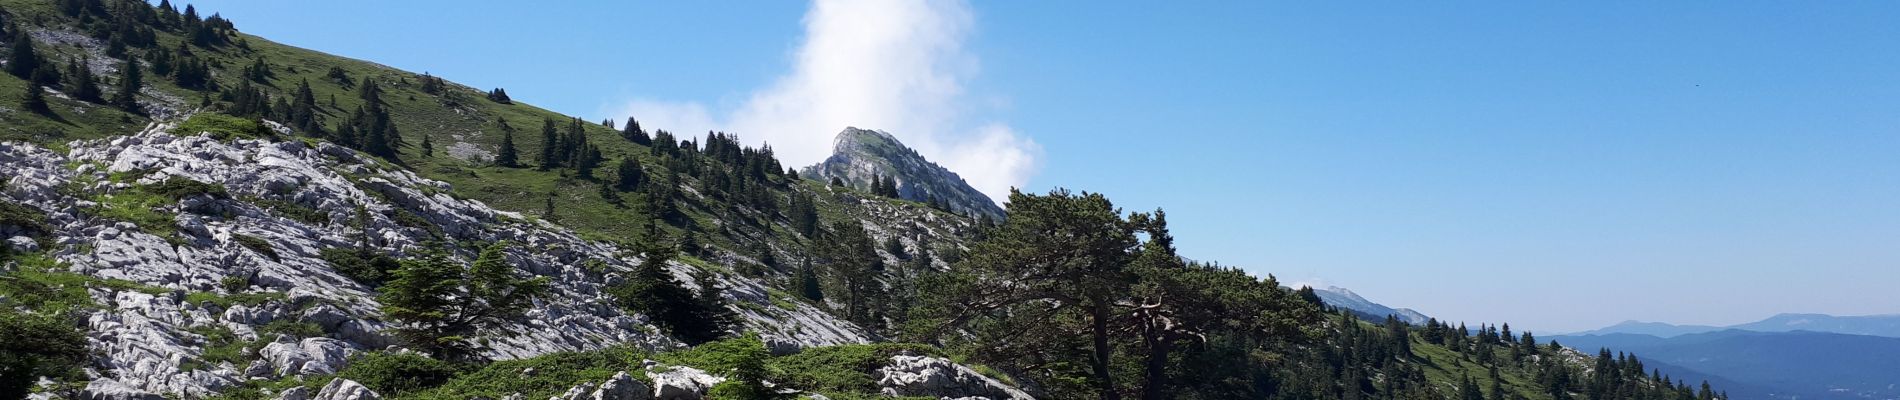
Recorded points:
(897, 66)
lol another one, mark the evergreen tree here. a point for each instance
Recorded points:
(627, 174)
(32, 346)
(550, 148)
(85, 87)
(23, 60)
(652, 290)
(35, 100)
(428, 149)
(608, 193)
(808, 284)
(440, 305)
(129, 84)
(303, 109)
(259, 71)
(500, 95)
(505, 156)
(632, 132)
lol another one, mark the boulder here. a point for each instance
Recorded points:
(623, 387)
(909, 375)
(681, 383)
(344, 389)
(311, 356)
(108, 389)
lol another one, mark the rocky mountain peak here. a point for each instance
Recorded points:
(860, 155)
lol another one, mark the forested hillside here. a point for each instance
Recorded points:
(195, 212)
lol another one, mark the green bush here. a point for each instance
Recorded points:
(296, 329)
(27, 218)
(256, 244)
(846, 368)
(178, 188)
(32, 346)
(364, 266)
(223, 127)
(553, 374)
(396, 373)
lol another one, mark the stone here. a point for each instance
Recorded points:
(344, 389)
(681, 383)
(623, 387)
(23, 244)
(909, 375)
(108, 389)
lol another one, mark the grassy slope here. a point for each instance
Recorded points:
(471, 120)
(462, 115)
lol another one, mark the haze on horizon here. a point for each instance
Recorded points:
(1560, 167)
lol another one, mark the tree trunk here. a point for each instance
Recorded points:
(1103, 379)
(1154, 386)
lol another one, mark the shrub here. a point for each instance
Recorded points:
(364, 266)
(256, 244)
(397, 373)
(27, 218)
(223, 127)
(178, 188)
(846, 368)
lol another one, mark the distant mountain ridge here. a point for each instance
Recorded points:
(860, 155)
(1774, 365)
(1871, 325)
(1341, 297)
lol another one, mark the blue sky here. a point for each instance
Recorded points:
(1560, 166)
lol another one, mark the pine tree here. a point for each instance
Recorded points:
(428, 149)
(608, 193)
(632, 132)
(35, 99)
(627, 175)
(808, 284)
(85, 87)
(129, 84)
(506, 155)
(303, 109)
(259, 71)
(549, 146)
(23, 60)
(441, 305)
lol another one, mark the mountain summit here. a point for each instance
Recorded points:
(860, 156)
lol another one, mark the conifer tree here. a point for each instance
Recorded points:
(303, 108)
(35, 99)
(441, 305)
(129, 84)
(632, 132)
(549, 146)
(428, 149)
(808, 284)
(23, 60)
(506, 155)
(627, 175)
(85, 87)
